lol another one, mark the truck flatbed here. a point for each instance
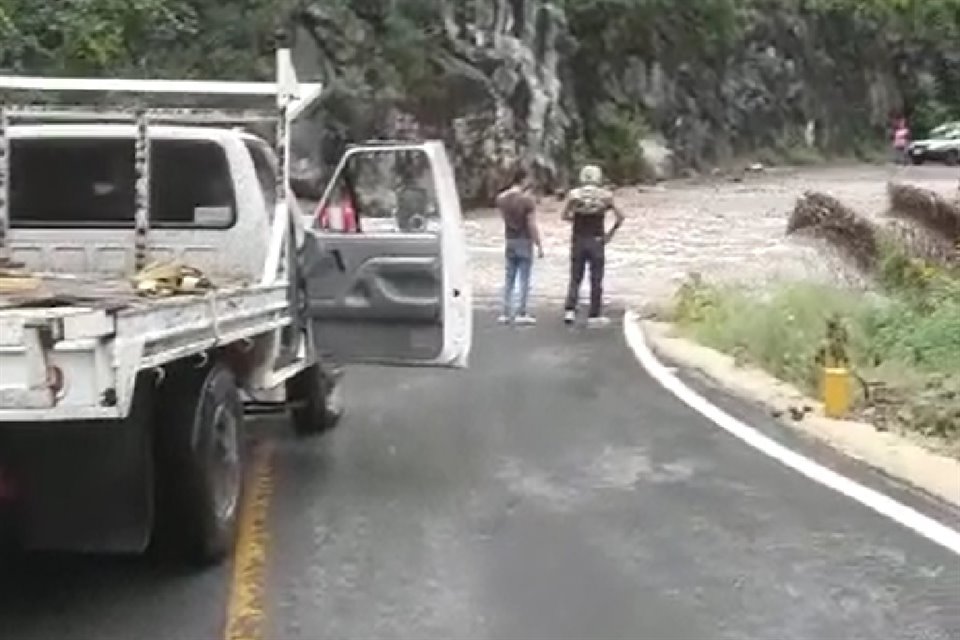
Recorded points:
(94, 290)
(120, 333)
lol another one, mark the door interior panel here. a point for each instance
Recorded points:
(385, 288)
(375, 297)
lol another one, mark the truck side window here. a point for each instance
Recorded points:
(191, 185)
(391, 191)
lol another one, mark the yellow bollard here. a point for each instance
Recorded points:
(836, 392)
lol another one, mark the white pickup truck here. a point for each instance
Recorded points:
(122, 411)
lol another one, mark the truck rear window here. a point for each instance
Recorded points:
(88, 182)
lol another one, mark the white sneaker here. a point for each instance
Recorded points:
(527, 320)
(569, 317)
(503, 319)
(598, 321)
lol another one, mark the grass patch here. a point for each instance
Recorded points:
(801, 155)
(904, 344)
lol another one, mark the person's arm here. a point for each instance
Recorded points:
(617, 222)
(534, 230)
(567, 214)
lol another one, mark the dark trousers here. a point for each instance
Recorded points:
(586, 250)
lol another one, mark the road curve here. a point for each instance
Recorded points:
(556, 491)
(553, 490)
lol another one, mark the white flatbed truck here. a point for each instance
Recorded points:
(121, 415)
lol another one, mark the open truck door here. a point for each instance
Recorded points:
(393, 288)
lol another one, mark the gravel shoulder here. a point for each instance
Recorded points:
(891, 453)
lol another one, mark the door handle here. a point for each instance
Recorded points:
(338, 258)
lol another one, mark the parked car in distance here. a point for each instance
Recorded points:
(942, 145)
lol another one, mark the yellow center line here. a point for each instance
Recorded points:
(246, 610)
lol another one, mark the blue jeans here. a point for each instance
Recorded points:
(519, 263)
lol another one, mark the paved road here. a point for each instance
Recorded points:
(551, 491)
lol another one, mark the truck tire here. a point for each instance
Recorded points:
(953, 158)
(200, 432)
(314, 398)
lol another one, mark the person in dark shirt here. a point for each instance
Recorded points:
(587, 207)
(518, 209)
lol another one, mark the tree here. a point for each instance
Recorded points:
(183, 38)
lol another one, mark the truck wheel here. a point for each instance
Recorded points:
(953, 158)
(315, 401)
(200, 430)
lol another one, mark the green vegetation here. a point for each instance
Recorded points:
(146, 37)
(904, 343)
(197, 38)
(927, 25)
(718, 95)
(616, 133)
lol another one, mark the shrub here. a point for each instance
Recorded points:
(613, 140)
(904, 346)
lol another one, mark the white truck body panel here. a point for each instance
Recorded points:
(101, 352)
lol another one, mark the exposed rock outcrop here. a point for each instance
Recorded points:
(776, 75)
(646, 88)
(492, 85)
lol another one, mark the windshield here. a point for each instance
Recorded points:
(945, 130)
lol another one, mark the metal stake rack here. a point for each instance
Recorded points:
(292, 100)
(4, 185)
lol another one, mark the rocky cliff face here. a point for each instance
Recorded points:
(486, 77)
(781, 77)
(547, 83)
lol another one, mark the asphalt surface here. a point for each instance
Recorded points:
(553, 490)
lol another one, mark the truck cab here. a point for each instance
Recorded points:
(72, 199)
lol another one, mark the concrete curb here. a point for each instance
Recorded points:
(895, 455)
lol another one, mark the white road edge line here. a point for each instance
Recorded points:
(884, 505)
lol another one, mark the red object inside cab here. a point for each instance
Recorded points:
(339, 215)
